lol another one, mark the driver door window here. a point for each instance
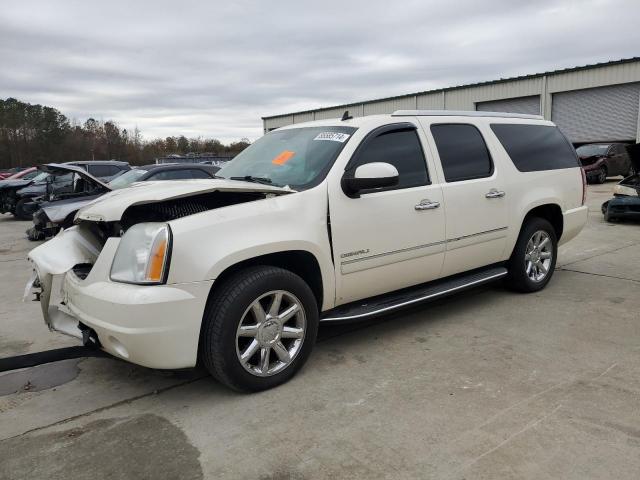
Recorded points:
(400, 148)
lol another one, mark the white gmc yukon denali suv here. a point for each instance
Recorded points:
(326, 221)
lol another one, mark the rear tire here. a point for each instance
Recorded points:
(533, 260)
(242, 317)
(608, 217)
(20, 212)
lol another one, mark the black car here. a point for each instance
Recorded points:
(57, 209)
(16, 195)
(164, 171)
(625, 203)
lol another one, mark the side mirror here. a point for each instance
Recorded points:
(369, 176)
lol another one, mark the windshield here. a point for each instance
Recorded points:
(127, 178)
(298, 157)
(40, 177)
(31, 175)
(590, 150)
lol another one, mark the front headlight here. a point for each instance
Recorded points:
(143, 254)
(622, 190)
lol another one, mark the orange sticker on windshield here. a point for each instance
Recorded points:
(283, 158)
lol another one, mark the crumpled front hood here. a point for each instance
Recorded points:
(111, 206)
(14, 184)
(59, 210)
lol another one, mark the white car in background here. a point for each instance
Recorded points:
(326, 221)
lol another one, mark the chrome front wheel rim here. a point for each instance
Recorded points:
(270, 334)
(538, 256)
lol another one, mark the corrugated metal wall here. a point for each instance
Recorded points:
(529, 105)
(598, 114)
(546, 87)
(390, 106)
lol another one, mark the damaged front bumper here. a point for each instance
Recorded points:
(622, 207)
(154, 326)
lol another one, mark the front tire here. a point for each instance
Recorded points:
(259, 328)
(533, 260)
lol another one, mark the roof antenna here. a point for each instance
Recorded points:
(346, 116)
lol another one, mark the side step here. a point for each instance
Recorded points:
(409, 296)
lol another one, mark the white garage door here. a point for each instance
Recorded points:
(598, 114)
(529, 105)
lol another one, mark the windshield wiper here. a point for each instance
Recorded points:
(250, 178)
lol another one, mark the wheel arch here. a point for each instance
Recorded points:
(552, 212)
(301, 262)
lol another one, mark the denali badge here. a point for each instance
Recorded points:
(351, 254)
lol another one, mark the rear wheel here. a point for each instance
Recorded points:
(20, 211)
(259, 328)
(533, 260)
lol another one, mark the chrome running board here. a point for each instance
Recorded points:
(414, 295)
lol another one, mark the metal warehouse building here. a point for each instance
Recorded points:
(592, 103)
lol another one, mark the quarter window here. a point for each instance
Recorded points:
(463, 153)
(195, 173)
(400, 148)
(536, 147)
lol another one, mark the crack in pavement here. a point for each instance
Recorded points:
(600, 254)
(599, 275)
(107, 407)
(533, 422)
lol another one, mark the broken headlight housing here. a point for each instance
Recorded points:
(143, 255)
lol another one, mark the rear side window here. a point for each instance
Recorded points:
(535, 147)
(184, 174)
(195, 173)
(400, 148)
(103, 170)
(463, 153)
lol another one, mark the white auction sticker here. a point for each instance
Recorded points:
(333, 136)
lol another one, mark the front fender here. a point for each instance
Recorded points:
(206, 244)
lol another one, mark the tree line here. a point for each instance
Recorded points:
(35, 134)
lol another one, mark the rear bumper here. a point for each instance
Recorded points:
(574, 221)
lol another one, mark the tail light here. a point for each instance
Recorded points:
(584, 186)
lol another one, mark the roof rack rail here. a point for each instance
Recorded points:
(462, 113)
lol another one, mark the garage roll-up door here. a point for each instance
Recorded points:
(598, 114)
(529, 105)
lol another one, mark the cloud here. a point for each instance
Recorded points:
(214, 68)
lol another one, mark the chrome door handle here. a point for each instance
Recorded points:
(494, 193)
(427, 205)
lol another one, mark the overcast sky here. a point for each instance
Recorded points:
(213, 68)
